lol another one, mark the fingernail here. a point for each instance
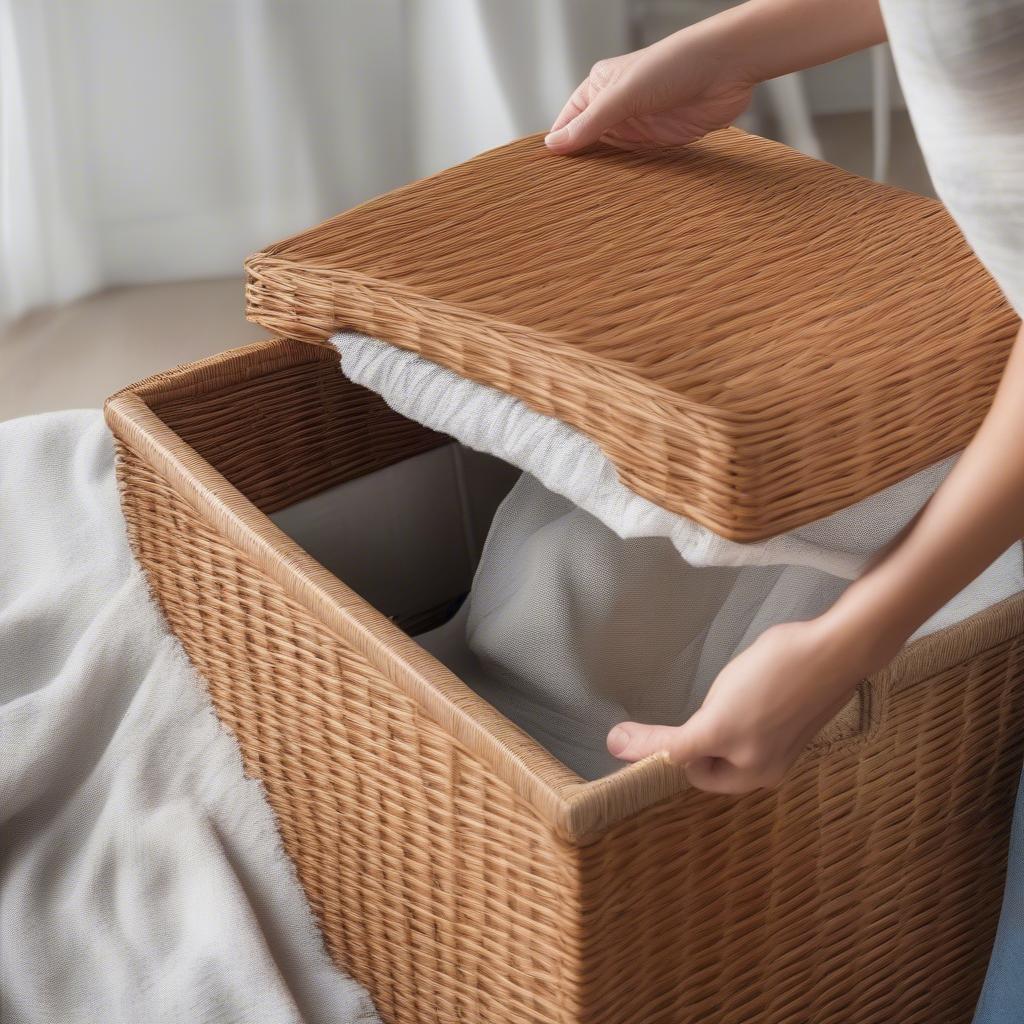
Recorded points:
(618, 740)
(553, 138)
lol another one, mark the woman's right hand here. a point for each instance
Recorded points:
(668, 94)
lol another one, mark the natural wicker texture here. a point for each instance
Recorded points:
(326, 430)
(463, 875)
(756, 339)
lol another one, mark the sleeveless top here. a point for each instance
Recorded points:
(961, 66)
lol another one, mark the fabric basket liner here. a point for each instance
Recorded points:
(592, 606)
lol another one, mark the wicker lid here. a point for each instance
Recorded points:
(755, 338)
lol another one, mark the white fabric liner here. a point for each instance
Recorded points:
(592, 605)
(430, 512)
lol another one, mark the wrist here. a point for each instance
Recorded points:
(867, 633)
(726, 40)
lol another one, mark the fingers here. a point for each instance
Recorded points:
(633, 131)
(632, 741)
(574, 106)
(717, 775)
(595, 116)
(709, 766)
(712, 774)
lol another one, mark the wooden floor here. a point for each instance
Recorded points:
(73, 356)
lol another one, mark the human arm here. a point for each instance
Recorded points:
(702, 77)
(770, 701)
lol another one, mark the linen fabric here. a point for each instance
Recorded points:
(142, 878)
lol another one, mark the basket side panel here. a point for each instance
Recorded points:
(435, 885)
(865, 890)
(291, 432)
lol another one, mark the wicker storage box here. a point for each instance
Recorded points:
(755, 339)
(463, 874)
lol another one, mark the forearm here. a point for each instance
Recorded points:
(769, 38)
(975, 515)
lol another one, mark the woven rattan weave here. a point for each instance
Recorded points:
(755, 338)
(464, 875)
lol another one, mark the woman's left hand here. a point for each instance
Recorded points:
(765, 706)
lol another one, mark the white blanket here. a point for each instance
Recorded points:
(141, 876)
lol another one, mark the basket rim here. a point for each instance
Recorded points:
(577, 810)
(267, 264)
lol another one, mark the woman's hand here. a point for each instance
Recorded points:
(703, 77)
(768, 703)
(765, 706)
(668, 94)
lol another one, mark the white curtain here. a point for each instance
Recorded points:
(162, 140)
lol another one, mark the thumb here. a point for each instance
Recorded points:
(604, 112)
(632, 741)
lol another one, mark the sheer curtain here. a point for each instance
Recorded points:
(157, 141)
